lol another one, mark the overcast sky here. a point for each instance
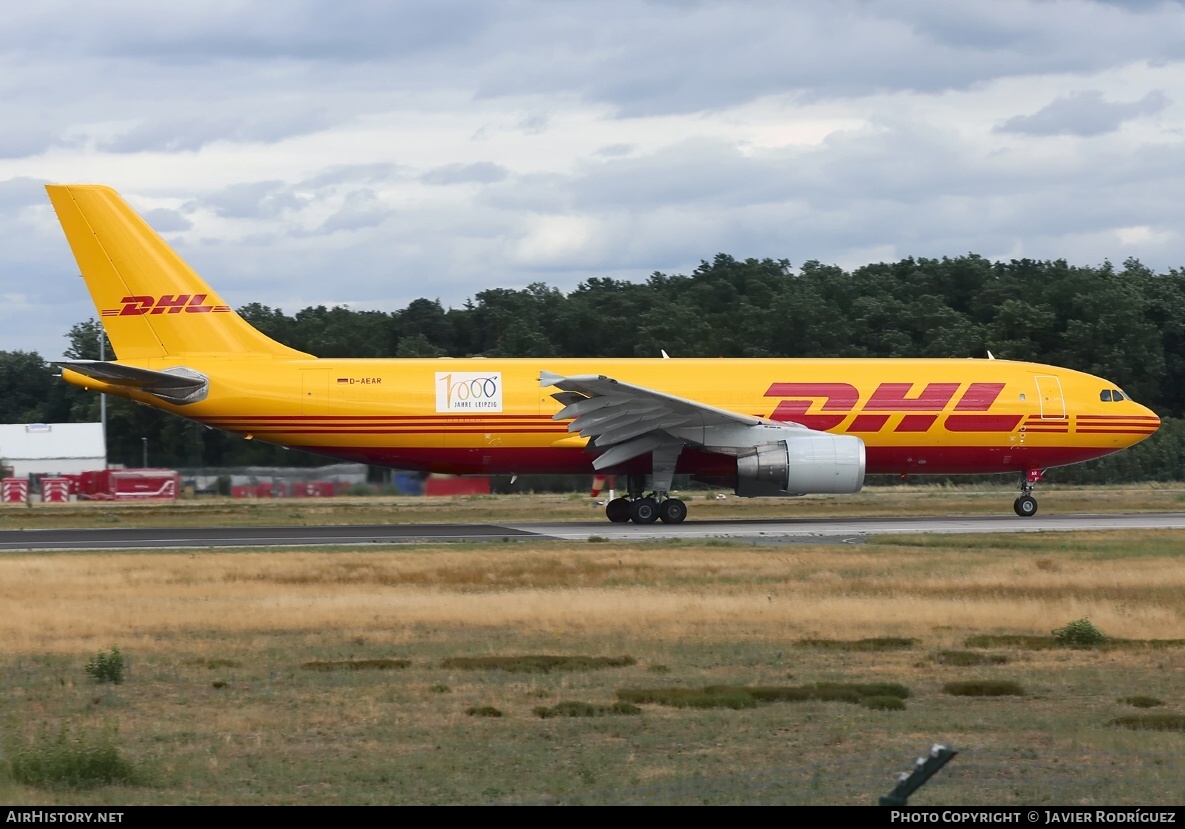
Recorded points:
(369, 153)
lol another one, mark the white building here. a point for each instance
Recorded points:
(52, 448)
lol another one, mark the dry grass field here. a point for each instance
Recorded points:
(216, 706)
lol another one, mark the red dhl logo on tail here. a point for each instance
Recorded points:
(135, 306)
(840, 399)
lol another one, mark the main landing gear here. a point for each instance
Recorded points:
(645, 509)
(1026, 505)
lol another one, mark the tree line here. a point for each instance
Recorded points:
(1124, 324)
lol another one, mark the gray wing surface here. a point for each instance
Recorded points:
(625, 421)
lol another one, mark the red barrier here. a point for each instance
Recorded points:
(55, 490)
(14, 490)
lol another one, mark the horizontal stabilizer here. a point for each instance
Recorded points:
(176, 385)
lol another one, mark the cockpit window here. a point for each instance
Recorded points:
(1105, 395)
(1116, 394)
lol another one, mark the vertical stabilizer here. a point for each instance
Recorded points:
(150, 302)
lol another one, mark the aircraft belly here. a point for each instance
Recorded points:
(528, 460)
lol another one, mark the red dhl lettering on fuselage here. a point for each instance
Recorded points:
(135, 306)
(921, 411)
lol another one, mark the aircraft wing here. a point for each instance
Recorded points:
(176, 385)
(627, 421)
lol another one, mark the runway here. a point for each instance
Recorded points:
(812, 530)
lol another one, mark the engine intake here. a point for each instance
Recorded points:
(801, 465)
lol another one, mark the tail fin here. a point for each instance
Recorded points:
(150, 302)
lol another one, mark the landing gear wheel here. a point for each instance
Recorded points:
(618, 510)
(672, 511)
(1025, 506)
(644, 511)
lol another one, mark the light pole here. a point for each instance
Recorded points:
(103, 397)
(145, 442)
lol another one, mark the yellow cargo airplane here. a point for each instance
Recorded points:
(763, 427)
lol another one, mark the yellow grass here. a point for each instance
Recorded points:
(70, 602)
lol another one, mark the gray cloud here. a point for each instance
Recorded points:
(669, 58)
(615, 150)
(639, 58)
(323, 30)
(343, 174)
(164, 220)
(1084, 114)
(250, 200)
(187, 133)
(17, 141)
(481, 172)
(362, 209)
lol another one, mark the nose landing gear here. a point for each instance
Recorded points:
(1026, 505)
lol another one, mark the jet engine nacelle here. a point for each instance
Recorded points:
(803, 464)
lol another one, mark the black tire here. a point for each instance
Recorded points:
(618, 510)
(644, 511)
(672, 511)
(1025, 506)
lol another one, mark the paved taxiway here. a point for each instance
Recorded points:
(751, 531)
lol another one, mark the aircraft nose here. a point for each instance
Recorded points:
(1154, 421)
(1146, 423)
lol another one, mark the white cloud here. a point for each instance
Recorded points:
(442, 147)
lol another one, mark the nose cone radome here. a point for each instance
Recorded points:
(1142, 424)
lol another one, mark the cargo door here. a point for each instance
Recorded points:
(1049, 397)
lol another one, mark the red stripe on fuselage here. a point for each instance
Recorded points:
(894, 460)
(981, 423)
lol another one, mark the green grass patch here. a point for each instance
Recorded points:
(357, 665)
(1020, 641)
(1142, 702)
(884, 703)
(483, 711)
(540, 664)
(575, 708)
(106, 667)
(749, 696)
(1151, 722)
(969, 659)
(877, 643)
(215, 663)
(77, 760)
(1081, 633)
(984, 688)
(717, 696)
(1030, 642)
